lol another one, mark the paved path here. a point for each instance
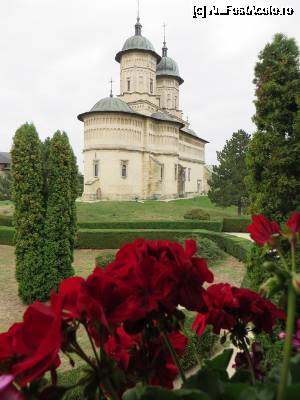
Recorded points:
(241, 235)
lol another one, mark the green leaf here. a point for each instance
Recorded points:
(295, 369)
(293, 392)
(208, 381)
(141, 392)
(239, 391)
(222, 361)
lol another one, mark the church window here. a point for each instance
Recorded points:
(96, 169)
(175, 172)
(124, 169)
(162, 172)
(189, 174)
(128, 85)
(151, 85)
(175, 102)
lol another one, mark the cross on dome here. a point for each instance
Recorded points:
(165, 49)
(111, 87)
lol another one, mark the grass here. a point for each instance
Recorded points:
(11, 309)
(107, 211)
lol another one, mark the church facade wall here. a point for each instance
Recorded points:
(128, 157)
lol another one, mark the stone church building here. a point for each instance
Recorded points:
(138, 145)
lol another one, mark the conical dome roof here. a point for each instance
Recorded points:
(168, 67)
(137, 42)
(112, 104)
(109, 104)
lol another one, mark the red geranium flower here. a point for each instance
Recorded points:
(162, 274)
(33, 345)
(119, 347)
(67, 296)
(258, 310)
(221, 305)
(107, 301)
(229, 306)
(294, 222)
(262, 230)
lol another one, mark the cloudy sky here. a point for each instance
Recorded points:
(57, 57)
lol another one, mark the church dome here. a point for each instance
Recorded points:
(168, 67)
(112, 104)
(109, 104)
(137, 42)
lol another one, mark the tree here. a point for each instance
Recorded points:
(35, 279)
(227, 185)
(60, 223)
(5, 186)
(273, 159)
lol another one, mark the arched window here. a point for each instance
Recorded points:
(128, 85)
(124, 169)
(151, 85)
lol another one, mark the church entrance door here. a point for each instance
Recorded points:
(98, 194)
(181, 181)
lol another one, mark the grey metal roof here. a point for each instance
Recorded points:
(137, 42)
(110, 104)
(193, 133)
(163, 117)
(5, 158)
(168, 67)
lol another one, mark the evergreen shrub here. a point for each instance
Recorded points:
(197, 213)
(235, 224)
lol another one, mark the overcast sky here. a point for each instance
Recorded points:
(57, 57)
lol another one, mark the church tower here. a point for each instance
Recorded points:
(138, 61)
(168, 81)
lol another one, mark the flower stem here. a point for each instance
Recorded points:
(112, 393)
(93, 347)
(285, 264)
(250, 363)
(174, 356)
(293, 249)
(290, 325)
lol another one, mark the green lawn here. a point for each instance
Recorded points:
(107, 211)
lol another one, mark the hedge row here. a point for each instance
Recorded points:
(235, 246)
(235, 224)
(7, 235)
(225, 225)
(115, 238)
(5, 220)
(112, 239)
(209, 225)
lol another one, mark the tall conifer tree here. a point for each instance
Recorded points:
(227, 186)
(273, 164)
(35, 279)
(60, 223)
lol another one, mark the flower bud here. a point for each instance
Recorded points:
(296, 283)
(269, 265)
(271, 286)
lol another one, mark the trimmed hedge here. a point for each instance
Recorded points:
(7, 235)
(6, 220)
(235, 246)
(216, 226)
(113, 239)
(235, 224)
(222, 225)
